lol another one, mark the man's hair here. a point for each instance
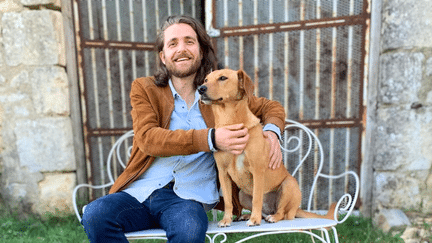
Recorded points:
(208, 62)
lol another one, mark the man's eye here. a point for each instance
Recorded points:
(222, 78)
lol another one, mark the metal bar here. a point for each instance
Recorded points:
(121, 61)
(108, 81)
(108, 132)
(146, 54)
(95, 89)
(256, 51)
(301, 91)
(335, 123)
(295, 25)
(270, 95)
(193, 9)
(132, 36)
(226, 43)
(333, 103)
(317, 94)
(84, 106)
(125, 45)
(121, 74)
(349, 97)
(301, 62)
(157, 16)
(240, 22)
(286, 62)
(108, 65)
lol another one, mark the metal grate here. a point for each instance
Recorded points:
(310, 56)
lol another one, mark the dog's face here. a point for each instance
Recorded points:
(225, 85)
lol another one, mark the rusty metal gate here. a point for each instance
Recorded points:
(307, 54)
(310, 55)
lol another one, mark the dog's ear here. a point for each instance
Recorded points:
(245, 83)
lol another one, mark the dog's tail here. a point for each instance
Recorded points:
(304, 214)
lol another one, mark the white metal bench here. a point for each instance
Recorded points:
(302, 150)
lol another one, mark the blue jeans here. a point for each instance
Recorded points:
(108, 218)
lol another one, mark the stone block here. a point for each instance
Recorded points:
(31, 38)
(20, 79)
(55, 192)
(10, 6)
(399, 189)
(406, 24)
(17, 191)
(388, 219)
(46, 144)
(37, 2)
(429, 67)
(403, 139)
(2, 80)
(400, 78)
(50, 90)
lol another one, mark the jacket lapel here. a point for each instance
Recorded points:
(207, 114)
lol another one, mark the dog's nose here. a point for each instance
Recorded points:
(202, 89)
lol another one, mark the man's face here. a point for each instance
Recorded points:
(181, 53)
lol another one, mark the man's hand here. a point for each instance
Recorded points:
(232, 138)
(275, 151)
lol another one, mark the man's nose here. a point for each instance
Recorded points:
(181, 46)
(202, 89)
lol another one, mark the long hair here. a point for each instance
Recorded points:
(208, 62)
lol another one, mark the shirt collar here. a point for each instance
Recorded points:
(173, 90)
(175, 94)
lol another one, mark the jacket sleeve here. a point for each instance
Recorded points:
(151, 113)
(268, 111)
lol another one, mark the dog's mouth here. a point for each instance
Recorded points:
(208, 101)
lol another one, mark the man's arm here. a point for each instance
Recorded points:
(272, 115)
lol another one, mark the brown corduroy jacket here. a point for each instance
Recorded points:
(152, 107)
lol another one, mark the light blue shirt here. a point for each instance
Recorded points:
(194, 175)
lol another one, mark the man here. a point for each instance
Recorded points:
(171, 179)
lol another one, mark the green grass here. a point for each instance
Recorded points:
(15, 227)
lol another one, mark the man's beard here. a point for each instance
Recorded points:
(186, 73)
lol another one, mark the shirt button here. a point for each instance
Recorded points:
(176, 188)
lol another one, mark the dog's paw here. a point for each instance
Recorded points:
(252, 222)
(270, 219)
(224, 223)
(244, 217)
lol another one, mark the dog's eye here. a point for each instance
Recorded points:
(205, 80)
(222, 78)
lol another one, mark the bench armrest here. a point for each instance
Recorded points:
(346, 203)
(75, 191)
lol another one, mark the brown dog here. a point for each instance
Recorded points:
(227, 91)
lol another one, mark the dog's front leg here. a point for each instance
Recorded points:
(222, 161)
(226, 186)
(257, 197)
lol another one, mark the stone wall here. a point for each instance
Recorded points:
(37, 160)
(403, 133)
